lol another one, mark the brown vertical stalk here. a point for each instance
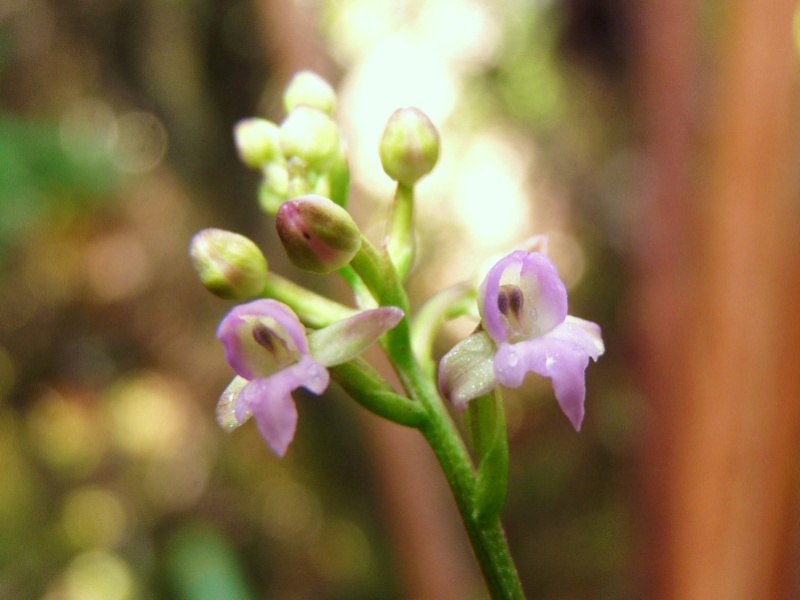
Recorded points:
(729, 459)
(737, 450)
(666, 44)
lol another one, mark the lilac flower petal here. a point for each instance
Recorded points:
(273, 409)
(348, 338)
(270, 401)
(562, 355)
(310, 374)
(245, 356)
(593, 329)
(467, 370)
(545, 297)
(549, 293)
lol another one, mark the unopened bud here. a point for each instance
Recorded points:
(274, 188)
(306, 87)
(409, 146)
(257, 141)
(317, 234)
(310, 135)
(229, 265)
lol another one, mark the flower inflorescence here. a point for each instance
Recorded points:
(522, 302)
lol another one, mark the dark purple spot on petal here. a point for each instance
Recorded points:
(502, 302)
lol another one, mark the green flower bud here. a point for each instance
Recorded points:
(310, 135)
(309, 88)
(317, 234)
(229, 265)
(257, 141)
(274, 188)
(409, 147)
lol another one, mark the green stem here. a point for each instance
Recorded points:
(400, 229)
(484, 530)
(314, 310)
(379, 275)
(372, 392)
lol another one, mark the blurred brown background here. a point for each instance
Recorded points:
(654, 142)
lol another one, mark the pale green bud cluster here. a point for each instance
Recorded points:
(308, 88)
(304, 154)
(257, 141)
(310, 135)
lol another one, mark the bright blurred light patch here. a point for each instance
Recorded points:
(399, 71)
(93, 517)
(66, 434)
(141, 142)
(145, 415)
(95, 575)
(490, 197)
(463, 31)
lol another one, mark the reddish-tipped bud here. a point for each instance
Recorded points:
(229, 265)
(317, 234)
(409, 146)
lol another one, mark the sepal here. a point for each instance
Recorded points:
(226, 406)
(346, 339)
(467, 370)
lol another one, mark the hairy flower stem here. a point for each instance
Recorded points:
(485, 532)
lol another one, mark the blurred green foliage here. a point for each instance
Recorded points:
(37, 174)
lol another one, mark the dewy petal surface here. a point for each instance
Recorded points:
(544, 296)
(562, 355)
(467, 370)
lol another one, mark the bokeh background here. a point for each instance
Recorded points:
(656, 143)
